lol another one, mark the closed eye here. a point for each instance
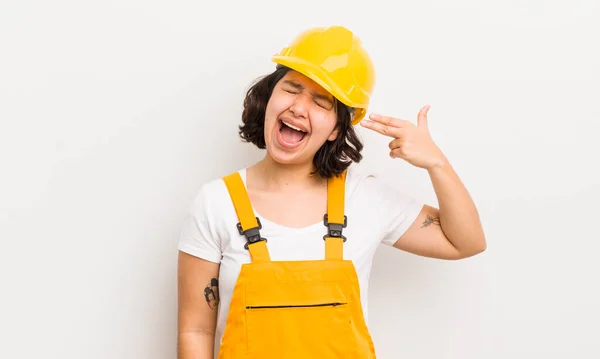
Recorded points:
(321, 100)
(323, 104)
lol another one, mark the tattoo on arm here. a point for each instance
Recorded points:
(211, 293)
(430, 220)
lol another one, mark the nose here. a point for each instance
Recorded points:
(300, 106)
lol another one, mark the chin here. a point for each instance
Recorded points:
(287, 158)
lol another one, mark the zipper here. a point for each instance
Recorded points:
(335, 304)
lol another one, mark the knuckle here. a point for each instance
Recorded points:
(406, 151)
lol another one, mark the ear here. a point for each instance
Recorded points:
(334, 134)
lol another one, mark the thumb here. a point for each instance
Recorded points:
(422, 117)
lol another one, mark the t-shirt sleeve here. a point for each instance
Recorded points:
(198, 236)
(396, 208)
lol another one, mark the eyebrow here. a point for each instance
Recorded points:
(298, 86)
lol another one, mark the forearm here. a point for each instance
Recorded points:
(195, 345)
(458, 214)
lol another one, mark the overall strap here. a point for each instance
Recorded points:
(248, 225)
(335, 219)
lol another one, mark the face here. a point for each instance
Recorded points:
(300, 117)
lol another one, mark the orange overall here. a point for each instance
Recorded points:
(295, 309)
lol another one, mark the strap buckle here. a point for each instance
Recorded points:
(252, 234)
(334, 229)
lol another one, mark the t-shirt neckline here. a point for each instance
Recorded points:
(266, 222)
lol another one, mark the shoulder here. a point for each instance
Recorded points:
(209, 193)
(367, 188)
(207, 228)
(212, 199)
(364, 182)
(356, 177)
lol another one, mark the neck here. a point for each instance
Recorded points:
(271, 175)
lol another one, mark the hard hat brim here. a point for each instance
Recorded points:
(320, 77)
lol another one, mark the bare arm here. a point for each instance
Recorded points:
(198, 299)
(452, 232)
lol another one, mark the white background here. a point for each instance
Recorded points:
(114, 113)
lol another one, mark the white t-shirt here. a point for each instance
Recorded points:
(376, 212)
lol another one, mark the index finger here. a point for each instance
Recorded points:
(385, 130)
(388, 120)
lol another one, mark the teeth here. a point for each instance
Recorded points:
(292, 126)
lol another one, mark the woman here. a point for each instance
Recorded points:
(275, 258)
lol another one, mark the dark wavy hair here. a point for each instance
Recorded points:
(332, 158)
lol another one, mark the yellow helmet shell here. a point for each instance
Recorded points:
(334, 58)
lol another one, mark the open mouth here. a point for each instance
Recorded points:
(290, 133)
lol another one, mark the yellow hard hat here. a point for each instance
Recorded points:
(334, 58)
